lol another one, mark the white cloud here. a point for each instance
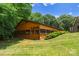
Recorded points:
(52, 3)
(33, 5)
(56, 16)
(45, 4)
(70, 13)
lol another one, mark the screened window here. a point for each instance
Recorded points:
(27, 32)
(45, 31)
(48, 31)
(36, 31)
(23, 32)
(42, 31)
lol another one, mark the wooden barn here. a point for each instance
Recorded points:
(75, 26)
(32, 30)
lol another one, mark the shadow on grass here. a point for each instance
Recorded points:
(5, 43)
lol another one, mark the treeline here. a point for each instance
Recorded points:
(63, 22)
(12, 13)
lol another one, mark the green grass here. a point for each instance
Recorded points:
(63, 45)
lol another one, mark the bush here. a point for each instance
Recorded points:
(54, 34)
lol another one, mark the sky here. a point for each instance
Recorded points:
(56, 9)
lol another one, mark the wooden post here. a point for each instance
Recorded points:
(30, 33)
(45, 31)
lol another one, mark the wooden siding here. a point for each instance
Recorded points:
(75, 26)
(35, 30)
(25, 26)
(42, 36)
(32, 36)
(47, 28)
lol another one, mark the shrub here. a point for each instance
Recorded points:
(54, 34)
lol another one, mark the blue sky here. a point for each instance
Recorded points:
(56, 9)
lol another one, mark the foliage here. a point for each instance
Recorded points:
(62, 22)
(65, 21)
(44, 19)
(35, 17)
(48, 19)
(54, 34)
(10, 15)
(23, 10)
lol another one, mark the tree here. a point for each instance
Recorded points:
(44, 19)
(23, 10)
(10, 15)
(66, 21)
(37, 17)
(48, 19)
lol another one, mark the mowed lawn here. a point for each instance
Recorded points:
(63, 45)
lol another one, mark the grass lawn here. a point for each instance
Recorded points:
(63, 45)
